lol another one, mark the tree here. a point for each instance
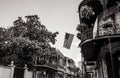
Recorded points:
(23, 40)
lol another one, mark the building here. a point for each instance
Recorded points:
(55, 65)
(46, 65)
(77, 72)
(69, 67)
(82, 67)
(99, 32)
(72, 71)
(61, 65)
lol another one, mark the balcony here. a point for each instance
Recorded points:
(44, 63)
(108, 27)
(87, 34)
(108, 24)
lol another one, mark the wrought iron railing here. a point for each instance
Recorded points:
(108, 24)
(46, 63)
(87, 34)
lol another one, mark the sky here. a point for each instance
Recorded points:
(56, 15)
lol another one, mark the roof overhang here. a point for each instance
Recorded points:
(91, 47)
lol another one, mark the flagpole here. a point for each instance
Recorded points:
(111, 58)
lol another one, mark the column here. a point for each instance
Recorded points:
(25, 72)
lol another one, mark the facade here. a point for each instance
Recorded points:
(56, 66)
(99, 32)
(46, 65)
(82, 67)
(69, 67)
(78, 72)
(72, 71)
(61, 65)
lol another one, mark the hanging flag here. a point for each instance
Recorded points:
(68, 40)
(95, 28)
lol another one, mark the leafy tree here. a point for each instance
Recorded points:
(25, 39)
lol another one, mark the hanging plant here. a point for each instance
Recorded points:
(86, 12)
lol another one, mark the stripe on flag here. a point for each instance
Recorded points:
(68, 40)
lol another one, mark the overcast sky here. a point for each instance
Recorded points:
(56, 15)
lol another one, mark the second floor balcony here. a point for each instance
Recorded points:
(107, 23)
(43, 62)
(106, 27)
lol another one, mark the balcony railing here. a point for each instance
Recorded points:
(108, 24)
(46, 63)
(51, 65)
(87, 34)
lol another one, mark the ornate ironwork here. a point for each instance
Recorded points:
(87, 34)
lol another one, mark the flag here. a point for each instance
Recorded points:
(68, 40)
(95, 28)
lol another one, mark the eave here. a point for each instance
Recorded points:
(90, 48)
